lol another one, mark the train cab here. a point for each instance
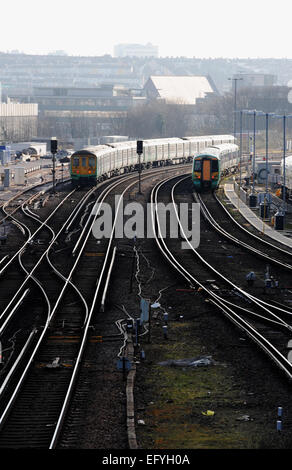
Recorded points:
(83, 168)
(205, 172)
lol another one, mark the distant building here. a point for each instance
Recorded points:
(181, 89)
(135, 50)
(37, 148)
(247, 80)
(101, 98)
(59, 52)
(18, 121)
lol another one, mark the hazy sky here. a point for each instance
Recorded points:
(200, 28)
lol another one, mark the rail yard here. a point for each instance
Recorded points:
(208, 367)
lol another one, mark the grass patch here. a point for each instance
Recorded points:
(174, 416)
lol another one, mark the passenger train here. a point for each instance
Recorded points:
(212, 163)
(97, 163)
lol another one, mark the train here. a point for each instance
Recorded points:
(94, 164)
(288, 174)
(213, 163)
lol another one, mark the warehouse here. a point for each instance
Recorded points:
(181, 89)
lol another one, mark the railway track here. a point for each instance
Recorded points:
(264, 323)
(37, 389)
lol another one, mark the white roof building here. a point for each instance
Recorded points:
(181, 89)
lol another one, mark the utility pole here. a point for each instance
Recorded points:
(235, 80)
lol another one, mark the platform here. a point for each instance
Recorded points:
(253, 219)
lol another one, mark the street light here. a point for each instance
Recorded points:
(240, 144)
(235, 104)
(267, 147)
(284, 117)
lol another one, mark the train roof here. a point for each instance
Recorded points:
(211, 137)
(223, 147)
(131, 144)
(216, 150)
(93, 149)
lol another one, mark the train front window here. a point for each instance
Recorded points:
(83, 161)
(91, 162)
(214, 165)
(75, 161)
(197, 165)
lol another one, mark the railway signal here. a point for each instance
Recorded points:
(139, 152)
(54, 149)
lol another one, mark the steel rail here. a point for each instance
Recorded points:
(273, 353)
(77, 209)
(259, 239)
(259, 253)
(37, 230)
(235, 240)
(13, 397)
(254, 299)
(10, 316)
(30, 274)
(7, 409)
(94, 214)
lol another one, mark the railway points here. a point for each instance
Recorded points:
(83, 297)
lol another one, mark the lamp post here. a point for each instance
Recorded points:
(240, 151)
(267, 148)
(255, 113)
(235, 80)
(254, 150)
(240, 145)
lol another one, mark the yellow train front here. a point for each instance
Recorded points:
(209, 165)
(83, 168)
(206, 172)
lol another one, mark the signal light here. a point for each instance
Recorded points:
(139, 147)
(54, 145)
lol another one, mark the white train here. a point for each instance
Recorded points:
(96, 163)
(288, 173)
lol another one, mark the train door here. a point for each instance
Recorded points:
(206, 170)
(206, 173)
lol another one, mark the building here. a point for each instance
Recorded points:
(135, 50)
(180, 89)
(100, 98)
(18, 121)
(247, 80)
(37, 148)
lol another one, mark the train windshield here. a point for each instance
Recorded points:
(197, 165)
(91, 161)
(75, 161)
(214, 165)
